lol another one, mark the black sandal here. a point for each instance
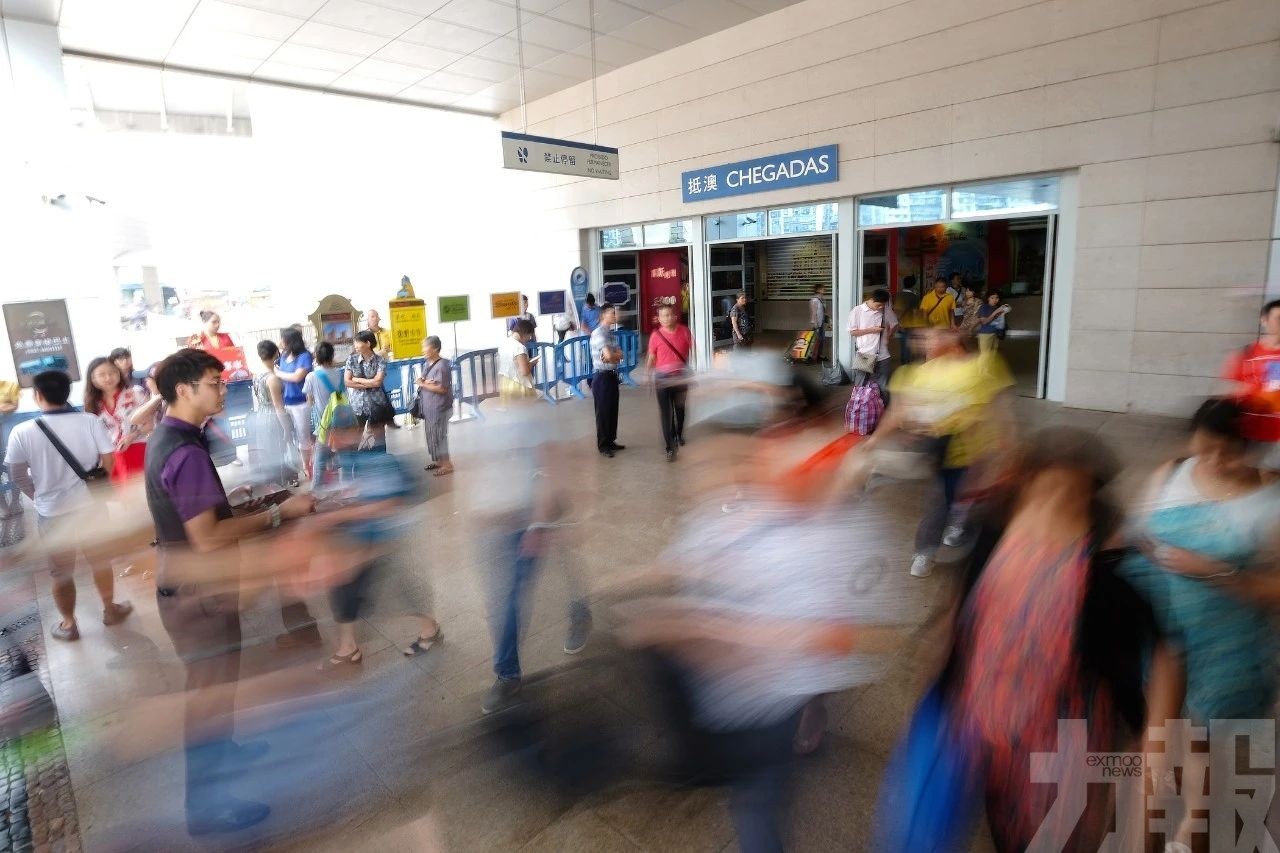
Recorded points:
(422, 644)
(432, 466)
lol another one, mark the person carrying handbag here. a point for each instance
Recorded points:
(670, 347)
(871, 327)
(54, 459)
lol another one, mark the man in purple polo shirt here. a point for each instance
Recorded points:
(198, 580)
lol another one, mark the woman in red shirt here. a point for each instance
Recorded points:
(109, 395)
(670, 348)
(209, 337)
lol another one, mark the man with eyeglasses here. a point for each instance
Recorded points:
(197, 582)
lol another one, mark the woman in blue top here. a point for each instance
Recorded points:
(590, 314)
(295, 363)
(1207, 534)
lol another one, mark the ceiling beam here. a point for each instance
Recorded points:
(263, 81)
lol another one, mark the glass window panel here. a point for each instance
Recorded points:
(736, 226)
(920, 206)
(623, 237)
(1026, 195)
(667, 233)
(804, 219)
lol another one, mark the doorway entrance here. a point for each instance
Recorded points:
(1010, 255)
(642, 276)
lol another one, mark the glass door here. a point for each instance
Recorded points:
(622, 268)
(728, 276)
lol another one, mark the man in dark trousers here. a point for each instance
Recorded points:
(197, 582)
(605, 356)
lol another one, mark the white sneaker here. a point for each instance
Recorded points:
(953, 535)
(921, 566)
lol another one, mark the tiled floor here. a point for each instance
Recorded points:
(399, 758)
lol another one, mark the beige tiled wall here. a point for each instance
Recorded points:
(1164, 108)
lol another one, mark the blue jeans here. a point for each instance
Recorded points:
(319, 464)
(512, 597)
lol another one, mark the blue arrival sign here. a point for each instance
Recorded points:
(777, 172)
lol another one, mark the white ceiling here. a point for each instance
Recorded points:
(454, 53)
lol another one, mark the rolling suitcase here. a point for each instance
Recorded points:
(802, 348)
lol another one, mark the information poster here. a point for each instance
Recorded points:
(504, 304)
(455, 309)
(408, 327)
(551, 302)
(40, 339)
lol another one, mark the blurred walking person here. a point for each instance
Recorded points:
(953, 411)
(670, 349)
(1045, 632)
(521, 499)
(1206, 532)
(355, 544)
(435, 389)
(197, 583)
(53, 460)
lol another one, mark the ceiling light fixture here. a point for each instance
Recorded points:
(524, 111)
(591, 24)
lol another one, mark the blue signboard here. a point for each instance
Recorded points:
(777, 172)
(578, 283)
(616, 293)
(551, 302)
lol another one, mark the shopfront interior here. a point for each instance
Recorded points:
(777, 257)
(999, 236)
(1012, 255)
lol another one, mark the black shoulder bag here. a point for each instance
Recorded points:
(96, 475)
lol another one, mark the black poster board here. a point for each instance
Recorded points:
(40, 339)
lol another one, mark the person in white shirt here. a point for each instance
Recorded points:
(817, 320)
(62, 499)
(871, 326)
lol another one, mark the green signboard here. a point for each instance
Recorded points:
(455, 309)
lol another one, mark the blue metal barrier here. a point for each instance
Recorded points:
(475, 378)
(546, 370)
(629, 343)
(398, 378)
(573, 364)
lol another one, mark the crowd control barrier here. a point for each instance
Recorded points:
(546, 370)
(573, 361)
(629, 343)
(475, 378)
(398, 378)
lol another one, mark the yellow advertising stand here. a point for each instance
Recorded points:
(408, 322)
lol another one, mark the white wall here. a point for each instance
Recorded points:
(1165, 107)
(46, 251)
(329, 195)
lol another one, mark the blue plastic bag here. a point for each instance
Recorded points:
(931, 787)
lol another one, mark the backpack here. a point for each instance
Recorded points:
(864, 409)
(338, 406)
